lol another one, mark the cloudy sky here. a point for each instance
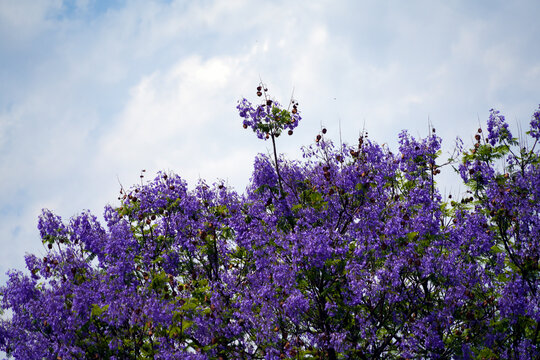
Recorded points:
(94, 91)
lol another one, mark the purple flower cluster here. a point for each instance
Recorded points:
(269, 118)
(350, 253)
(497, 128)
(535, 125)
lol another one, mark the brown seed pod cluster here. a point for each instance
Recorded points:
(326, 173)
(319, 136)
(295, 107)
(477, 137)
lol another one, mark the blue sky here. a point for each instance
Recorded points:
(91, 92)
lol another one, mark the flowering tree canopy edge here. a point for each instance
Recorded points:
(350, 253)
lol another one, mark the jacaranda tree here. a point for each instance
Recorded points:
(350, 253)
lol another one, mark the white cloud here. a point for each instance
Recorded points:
(23, 19)
(172, 118)
(87, 96)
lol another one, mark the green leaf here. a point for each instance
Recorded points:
(485, 354)
(175, 331)
(189, 305)
(186, 325)
(159, 280)
(97, 311)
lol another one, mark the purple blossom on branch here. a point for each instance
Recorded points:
(351, 253)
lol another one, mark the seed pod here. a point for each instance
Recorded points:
(293, 353)
(290, 132)
(324, 130)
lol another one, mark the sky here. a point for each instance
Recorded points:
(94, 91)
